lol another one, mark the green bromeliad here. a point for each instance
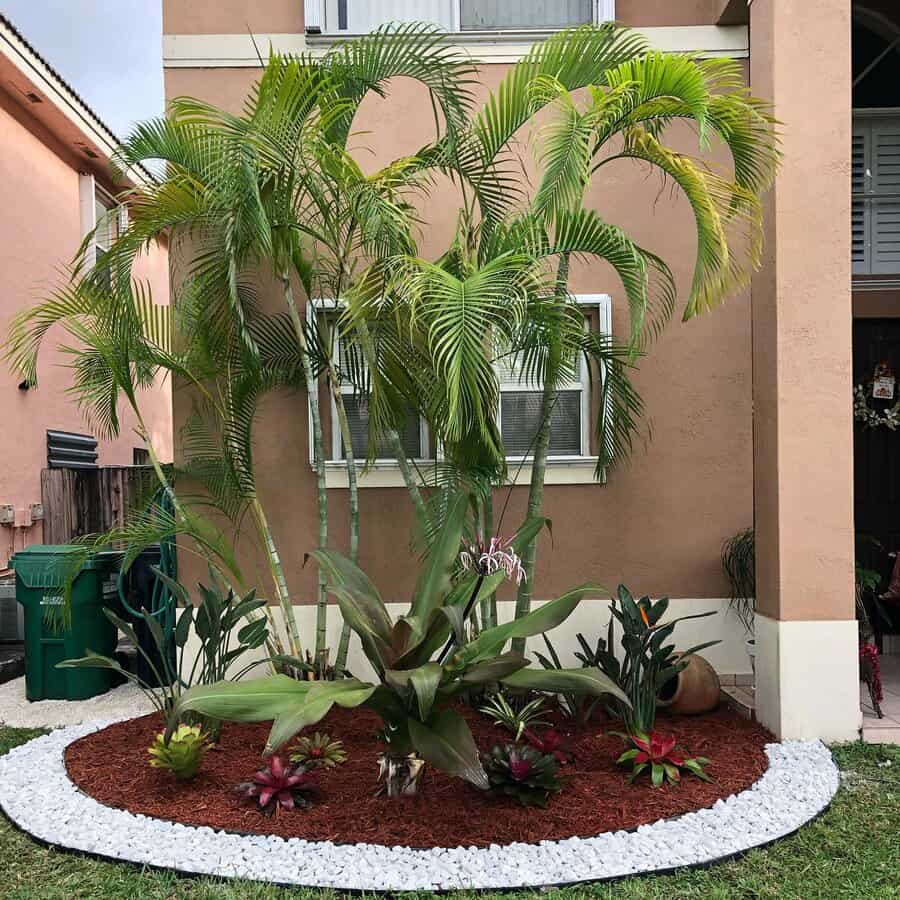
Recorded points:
(422, 661)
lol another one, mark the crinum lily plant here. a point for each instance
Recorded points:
(422, 661)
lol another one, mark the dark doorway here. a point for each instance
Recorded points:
(876, 459)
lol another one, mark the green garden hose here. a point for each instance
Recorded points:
(162, 605)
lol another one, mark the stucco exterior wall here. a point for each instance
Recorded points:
(659, 522)
(40, 231)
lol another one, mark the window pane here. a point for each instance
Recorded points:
(519, 411)
(486, 15)
(358, 417)
(107, 223)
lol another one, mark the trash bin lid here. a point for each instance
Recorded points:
(49, 565)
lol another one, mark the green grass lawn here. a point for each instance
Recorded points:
(851, 851)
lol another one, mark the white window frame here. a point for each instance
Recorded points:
(319, 13)
(336, 460)
(560, 469)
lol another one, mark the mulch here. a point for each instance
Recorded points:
(112, 766)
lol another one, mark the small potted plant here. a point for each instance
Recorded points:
(739, 565)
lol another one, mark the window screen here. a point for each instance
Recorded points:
(358, 417)
(519, 416)
(488, 15)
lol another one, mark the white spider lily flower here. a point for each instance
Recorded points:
(496, 555)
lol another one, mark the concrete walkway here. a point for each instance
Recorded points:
(887, 729)
(17, 712)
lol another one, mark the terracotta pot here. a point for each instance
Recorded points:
(694, 690)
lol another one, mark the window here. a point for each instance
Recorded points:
(110, 222)
(520, 402)
(460, 16)
(140, 456)
(517, 414)
(493, 15)
(414, 436)
(875, 216)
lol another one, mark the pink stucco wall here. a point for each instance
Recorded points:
(40, 230)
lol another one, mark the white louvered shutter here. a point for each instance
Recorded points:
(885, 217)
(859, 209)
(875, 211)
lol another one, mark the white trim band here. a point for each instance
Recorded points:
(799, 784)
(204, 51)
(386, 474)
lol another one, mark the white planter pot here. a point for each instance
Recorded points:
(750, 644)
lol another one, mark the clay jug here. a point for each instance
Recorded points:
(694, 690)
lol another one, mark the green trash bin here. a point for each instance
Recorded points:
(40, 573)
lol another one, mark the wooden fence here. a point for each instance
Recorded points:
(86, 501)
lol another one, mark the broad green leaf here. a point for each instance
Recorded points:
(545, 618)
(91, 661)
(440, 626)
(360, 603)
(183, 628)
(256, 700)
(322, 695)
(566, 681)
(528, 531)
(434, 582)
(425, 681)
(494, 669)
(448, 745)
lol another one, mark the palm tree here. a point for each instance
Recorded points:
(630, 95)
(123, 344)
(274, 188)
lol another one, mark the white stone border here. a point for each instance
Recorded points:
(38, 796)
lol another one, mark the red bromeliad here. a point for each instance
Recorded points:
(657, 753)
(278, 787)
(549, 743)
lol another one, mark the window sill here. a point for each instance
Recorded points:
(386, 473)
(511, 46)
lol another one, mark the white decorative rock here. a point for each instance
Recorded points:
(799, 784)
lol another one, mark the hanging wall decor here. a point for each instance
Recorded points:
(881, 387)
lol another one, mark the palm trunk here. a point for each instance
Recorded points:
(535, 502)
(488, 604)
(318, 455)
(277, 572)
(409, 478)
(525, 593)
(340, 662)
(274, 643)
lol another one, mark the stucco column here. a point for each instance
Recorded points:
(806, 667)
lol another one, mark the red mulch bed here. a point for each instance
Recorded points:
(111, 766)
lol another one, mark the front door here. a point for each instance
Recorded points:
(876, 454)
